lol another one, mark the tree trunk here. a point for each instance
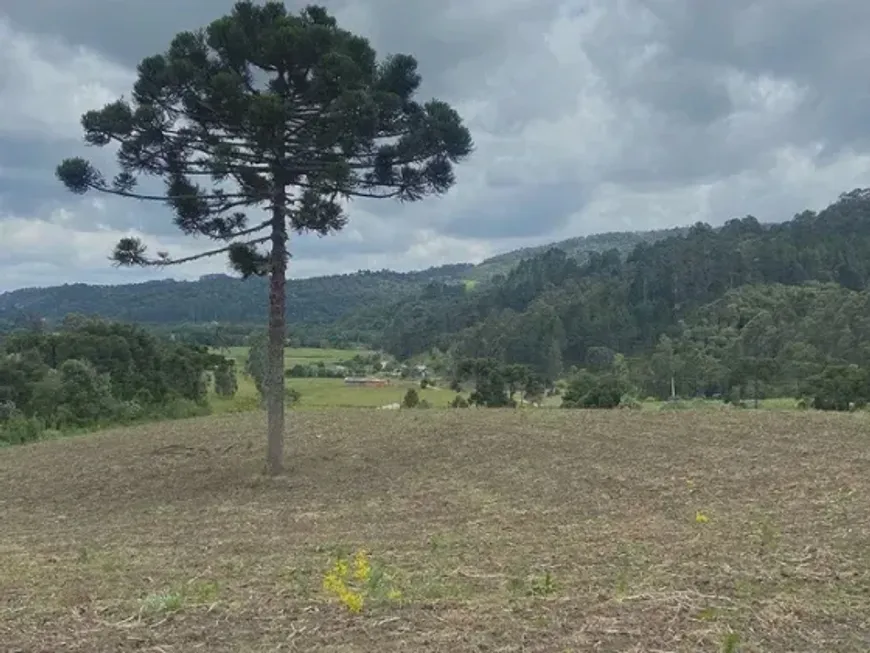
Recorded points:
(755, 391)
(277, 327)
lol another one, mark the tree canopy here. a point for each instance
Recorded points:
(90, 372)
(261, 101)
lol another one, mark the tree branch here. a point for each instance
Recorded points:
(347, 192)
(249, 230)
(244, 199)
(165, 261)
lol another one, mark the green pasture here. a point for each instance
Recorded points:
(320, 392)
(330, 393)
(298, 355)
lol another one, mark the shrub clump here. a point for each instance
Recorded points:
(411, 399)
(587, 390)
(838, 387)
(226, 384)
(458, 402)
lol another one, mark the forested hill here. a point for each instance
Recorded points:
(580, 248)
(318, 300)
(218, 297)
(552, 311)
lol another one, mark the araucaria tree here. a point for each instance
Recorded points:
(264, 109)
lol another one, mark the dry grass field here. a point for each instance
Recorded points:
(486, 531)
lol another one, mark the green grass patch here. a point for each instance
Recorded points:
(330, 393)
(298, 355)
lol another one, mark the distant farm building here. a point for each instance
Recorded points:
(366, 381)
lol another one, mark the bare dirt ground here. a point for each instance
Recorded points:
(503, 530)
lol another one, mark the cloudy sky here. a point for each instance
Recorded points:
(588, 116)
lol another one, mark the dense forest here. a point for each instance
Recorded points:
(746, 308)
(312, 303)
(219, 298)
(88, 372)
(580, 248)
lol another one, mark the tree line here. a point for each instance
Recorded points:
(218, 298)
(90, 373)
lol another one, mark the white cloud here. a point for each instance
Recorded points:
(45, 251)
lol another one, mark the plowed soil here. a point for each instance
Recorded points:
(528, 530)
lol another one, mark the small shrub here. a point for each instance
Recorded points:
(83, 395)
(255, 365)
(768, 535)
(411, 399)
(630, 402)
(292, 395)
(202, 592)
(50, 434)
(543, 586)
(587, 390)
(191, 594)
(20, 430)
(424, 403)
(128, 411)
(163, 603)
(225, 382)
(300, 372)
(8, 410)
(143, 397)
(731, 643)
(734, 397)
(459, 402)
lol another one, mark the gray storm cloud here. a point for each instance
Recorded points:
(588, 116)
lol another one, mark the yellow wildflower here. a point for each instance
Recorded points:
(362, 567)
(350, 580)
(352, 600)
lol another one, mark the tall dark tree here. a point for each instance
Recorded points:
(284, 112)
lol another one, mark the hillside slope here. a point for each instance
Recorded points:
(222, 298)
(314, 301)
(551, 312)
(579, 248)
